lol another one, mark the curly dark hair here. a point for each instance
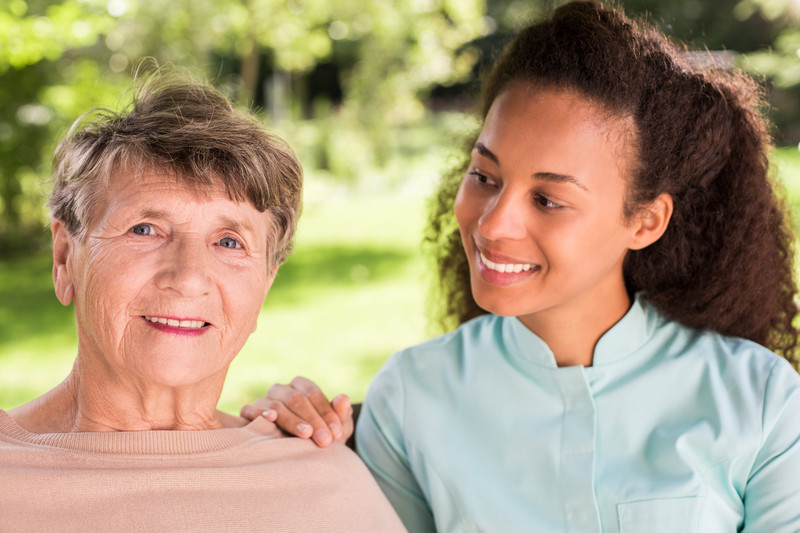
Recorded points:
(725, 262)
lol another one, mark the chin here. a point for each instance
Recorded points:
(497, 305)
(176, 373)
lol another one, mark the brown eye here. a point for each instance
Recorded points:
(546, 202)
(479, 177)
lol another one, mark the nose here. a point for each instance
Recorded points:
(503, 218)
(185, 267)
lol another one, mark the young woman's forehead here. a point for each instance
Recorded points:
(547, 126)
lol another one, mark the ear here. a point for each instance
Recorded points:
(63, 246)
(652, 222)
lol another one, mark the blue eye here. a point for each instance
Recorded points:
(228, 242)
(142, 229)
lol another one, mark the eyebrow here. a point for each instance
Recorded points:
(236, 225)
(553, 177)
(485, 152)
(152, 214)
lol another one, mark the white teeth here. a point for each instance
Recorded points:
(500, 267)
(176, 323)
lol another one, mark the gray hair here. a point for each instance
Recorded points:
(187, 129)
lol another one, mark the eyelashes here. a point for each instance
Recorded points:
(230, 242)
(545, 202)
(540, 200)
(143, 229)
(148, 230)
(480, 177)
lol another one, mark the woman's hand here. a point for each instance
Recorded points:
(301, 409)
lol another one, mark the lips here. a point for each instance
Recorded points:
(507, 272)
(177, 323)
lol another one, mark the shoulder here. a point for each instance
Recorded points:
(675, 341)
(425, 368)
(441, 353)
(343, 485)
(331, 479)
(336, 461)
(712, 369)
(739, 367)
(734, 356)
(437, 372)
(750, 367)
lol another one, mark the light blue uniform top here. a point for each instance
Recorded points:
(670, 430)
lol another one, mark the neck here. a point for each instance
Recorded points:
(131, 407)
(88, 402)
(573, 329)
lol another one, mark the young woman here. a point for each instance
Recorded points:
(617, 265)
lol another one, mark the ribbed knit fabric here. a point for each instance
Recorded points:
(244, 479)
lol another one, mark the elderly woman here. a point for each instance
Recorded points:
(169, 224)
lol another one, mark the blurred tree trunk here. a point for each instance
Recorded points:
(249, 74)
(250, 59)
(9, 191)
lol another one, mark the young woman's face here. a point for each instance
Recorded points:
(541, 207)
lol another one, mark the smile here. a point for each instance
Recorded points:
(505, 268)
(189, 324)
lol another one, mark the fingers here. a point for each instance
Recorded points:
(334, 413)
(259, 408)
(251, 412)
(271, 410)
(341, 404)
(303, 410)
(296, 425)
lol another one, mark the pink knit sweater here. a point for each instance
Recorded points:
(244, 479)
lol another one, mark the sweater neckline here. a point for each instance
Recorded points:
(156, 442)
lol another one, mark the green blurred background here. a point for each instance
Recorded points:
(374, 97)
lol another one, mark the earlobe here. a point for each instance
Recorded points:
(62, 272)
(652, 222)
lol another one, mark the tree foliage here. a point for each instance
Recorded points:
(61, 58)
(358, 69)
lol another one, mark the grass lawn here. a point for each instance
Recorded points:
(350, 295)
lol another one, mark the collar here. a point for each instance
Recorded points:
(624, 338)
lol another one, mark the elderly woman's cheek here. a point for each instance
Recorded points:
(101, 321)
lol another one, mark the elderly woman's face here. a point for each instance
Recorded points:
(168, 284)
